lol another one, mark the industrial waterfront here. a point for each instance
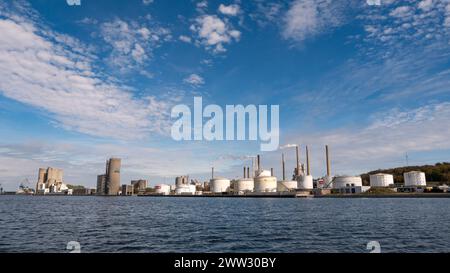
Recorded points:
(256, 182)
(227, 225)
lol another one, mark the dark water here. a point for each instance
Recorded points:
(137, 224)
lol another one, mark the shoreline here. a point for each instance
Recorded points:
(398, 195)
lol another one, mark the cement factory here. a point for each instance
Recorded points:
(255, 182)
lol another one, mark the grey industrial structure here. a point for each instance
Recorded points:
(109, 183)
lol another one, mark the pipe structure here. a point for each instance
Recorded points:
(283, 165)
(328, 161)
(298, 160)
(308, 168)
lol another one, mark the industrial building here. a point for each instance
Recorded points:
(381, 180)
(109, 183)
(50, 181)
(127, 190)
(139, 186)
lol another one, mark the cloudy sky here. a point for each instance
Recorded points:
(79, 84)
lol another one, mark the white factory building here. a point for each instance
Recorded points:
(381, 180)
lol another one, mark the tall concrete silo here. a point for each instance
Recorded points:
(113, 185)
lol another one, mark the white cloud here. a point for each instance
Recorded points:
(401, 12)
(55, 73)
(132, 43)
(231, 10)
(194, 80)
(308, 18)
(214, 32)
(426, 4)
(185, 39)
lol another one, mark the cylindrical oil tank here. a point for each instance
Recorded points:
(162, 189)
(113, 186)
(347, 181)
(265, 182)
(415, 178)
(185, 189)
(244, 185)
(219, 185)
(381, 180)
(285, 186)
(305, 182)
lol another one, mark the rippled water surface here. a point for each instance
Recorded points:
(140, 224)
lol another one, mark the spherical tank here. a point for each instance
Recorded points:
(219, 185)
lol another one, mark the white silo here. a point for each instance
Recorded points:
(347, 181)
(265, 182)
(415, 178)
(381, 180)
(305, 182)
(245, 185)
(219, 185)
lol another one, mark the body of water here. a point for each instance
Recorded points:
(139, 224)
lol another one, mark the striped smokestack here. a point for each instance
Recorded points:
(328, 161)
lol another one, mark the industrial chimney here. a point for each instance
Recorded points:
(259, 163)
(328, 161)
(248, 172)
(271, 171)
(212, 173)
(283, 165)
(298, 160)
(308, 168)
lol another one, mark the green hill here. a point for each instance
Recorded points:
(439, 173)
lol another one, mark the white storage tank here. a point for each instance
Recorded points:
(381, 180)
(305, 182)
(244, 185)
(185, 189)
(162, 189)
(265, 182)
(347, 181)
(219, 185)
(415, 178)
(285, 186)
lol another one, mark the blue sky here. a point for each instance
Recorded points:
(79, 84)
